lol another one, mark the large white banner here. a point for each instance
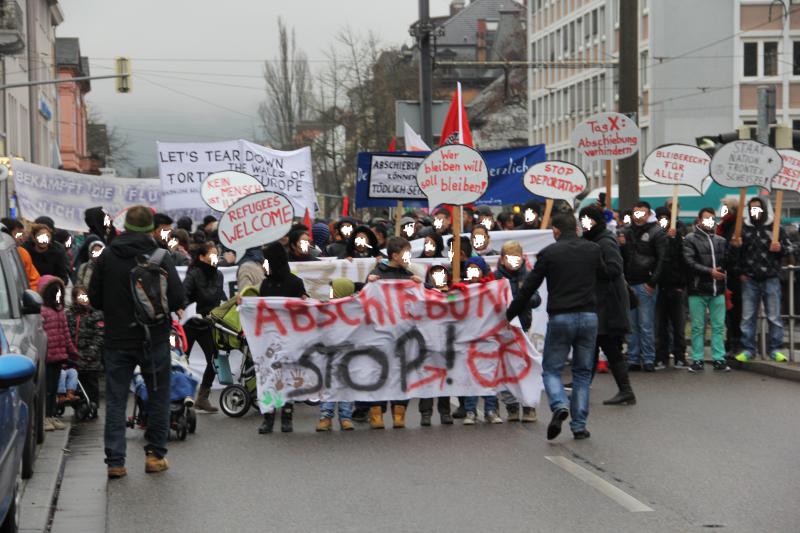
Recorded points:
(395, 340)
(183, 166)
(64, 196)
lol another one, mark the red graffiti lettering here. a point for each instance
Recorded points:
(265, 315)
(436, 373)
(452, 299)
(435, 305)
(511, 344)
(297, 311)
(404, 298)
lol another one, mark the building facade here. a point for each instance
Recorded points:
(72, 110)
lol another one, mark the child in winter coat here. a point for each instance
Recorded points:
(59, 343)
(86, 332)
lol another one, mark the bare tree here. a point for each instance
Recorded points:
(288, 88)
(107, 143)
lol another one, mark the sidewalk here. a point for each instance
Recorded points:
(39, 491)
(790, 371)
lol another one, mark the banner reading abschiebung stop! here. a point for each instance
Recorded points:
(182, 168)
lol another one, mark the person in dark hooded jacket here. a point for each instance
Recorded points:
(95, 247)
(343, 231)
(613, 305)
(530, 215)
(127, 344)
(362, 243)
(279, 281)
(48, 256)
(300, 247)
(432, 245)
(759, 262)
(100, 227)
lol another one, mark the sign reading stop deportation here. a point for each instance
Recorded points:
(255, 220)
(453, 174)
(606, 136)
(788, 179)
(677, 164)
(745, 164)
(558, 180)
(221, 190)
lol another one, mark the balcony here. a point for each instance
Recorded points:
(12, 28)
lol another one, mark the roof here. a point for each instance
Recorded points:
(462, 28)
(68, 52)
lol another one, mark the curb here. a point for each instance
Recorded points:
(789, 371)
(40, 491)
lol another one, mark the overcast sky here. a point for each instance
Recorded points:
(216, 48)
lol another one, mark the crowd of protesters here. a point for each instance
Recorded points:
(619, 284)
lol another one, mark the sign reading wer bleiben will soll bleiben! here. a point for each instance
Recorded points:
(453, 174)
(606, 136)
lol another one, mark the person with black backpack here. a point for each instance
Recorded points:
(136, 285)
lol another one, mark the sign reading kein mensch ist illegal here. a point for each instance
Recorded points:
(606, 136)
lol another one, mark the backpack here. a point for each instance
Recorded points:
(149, 290)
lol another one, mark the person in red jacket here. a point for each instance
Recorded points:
(59, 343)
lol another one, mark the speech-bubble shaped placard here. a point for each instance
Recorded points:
(745, 164)
(255, 220)
(606, 136)
(558, 180)
(453, 174)
(788, 179)
(677, 164)
(221, 190)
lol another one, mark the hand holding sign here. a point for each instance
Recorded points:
(220, 190)
(255, 220)
(555, 180)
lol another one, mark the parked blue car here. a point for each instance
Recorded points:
(15, 370)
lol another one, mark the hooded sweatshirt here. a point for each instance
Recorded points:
(754, 258)
(280, 281)
(110, 292)
(95, 221)
(372, 241)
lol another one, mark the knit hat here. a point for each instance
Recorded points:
(479, 262)
(343, 287)
(321, 234)
(44, 281)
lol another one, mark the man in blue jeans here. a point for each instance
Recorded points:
(125, 348)
(643, 245)
(570, 266)
(759, 261)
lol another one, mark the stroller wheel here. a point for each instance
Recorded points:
(92, 411)
(181, 428)
(234, 401)
(191, 420)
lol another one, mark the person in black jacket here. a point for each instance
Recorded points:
(48, 256)
(100, 226)
(706, 256)
(279, 281)
(571, 267)
(203, 285)
(643, 245)
(361, 244)
(613, 305)
(126, 346)
(670, 312)
(733, 315)
(300, 247)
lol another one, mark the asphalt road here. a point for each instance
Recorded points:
(701, 451)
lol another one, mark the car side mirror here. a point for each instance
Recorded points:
(15, 370)
(31, 302)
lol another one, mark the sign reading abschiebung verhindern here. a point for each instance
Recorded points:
(182, 168)
(394, 177)
(677, 164)
(745, 164)
(606, 136)
(558, 180)
(453, 174)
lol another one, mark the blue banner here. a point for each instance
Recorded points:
(506, 168)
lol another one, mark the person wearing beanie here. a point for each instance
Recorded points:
(184, 223)
(322, 235)
(362, 244)
(613, 304)
(128, 344)
(100, 228)
(408, 228)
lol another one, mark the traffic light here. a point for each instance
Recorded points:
(711, 143)
(123, 70)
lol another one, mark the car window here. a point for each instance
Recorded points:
(5, 296)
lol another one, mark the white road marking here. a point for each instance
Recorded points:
(601, 485)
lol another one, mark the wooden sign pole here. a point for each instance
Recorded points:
(456, 265)
(548, 209)
(776, 224)
(737, 230)
(608, 184)
(673, 223)
(398, 214)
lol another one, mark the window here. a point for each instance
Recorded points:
(643, 66)
(796, 58)
(771, 58)
(587, 27)
(594, 23)
(595, 93)
(572, 38)
(750, 59)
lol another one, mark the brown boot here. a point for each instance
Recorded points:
(116, 472)
(202, 402)
(324, 424)
(154, 464)
(398, 416)
(376, 417)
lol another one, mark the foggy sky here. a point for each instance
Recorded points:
(208, 44)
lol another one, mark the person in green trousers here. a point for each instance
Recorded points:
(706, 257)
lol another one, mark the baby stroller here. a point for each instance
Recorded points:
(240, 395)
(83, 407)
(183, 418)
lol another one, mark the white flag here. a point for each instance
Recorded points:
(414, 142)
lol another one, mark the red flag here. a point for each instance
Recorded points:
(307, 223)
(450, 128)
(345, 205)
(393, 144)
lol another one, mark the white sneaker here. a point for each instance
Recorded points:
(48, 424)
(58, 424)
(493, 418)
(470, 419)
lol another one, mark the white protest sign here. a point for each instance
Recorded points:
(220, 190)
(453, 174)
(788, 179)
(606, 136)
(558, 180)
(677, 164)
(745, 164)
(255, 220)
(395, 340)
(394, 177)
(182, 168)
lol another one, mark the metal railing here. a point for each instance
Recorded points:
(787, 317)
